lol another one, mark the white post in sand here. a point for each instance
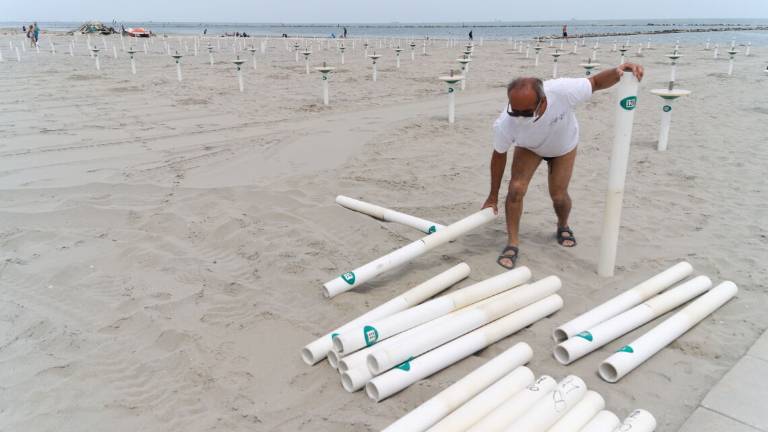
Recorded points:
(177, 57)
(716, 53)
(451, 80)
(325, 70)
(1, 55)
(238, 63)
(18, 55)
(623, 51)
(555, 55)
(252, 49)
(306, 53)
(668, 95)
(374, 57)
(210, 53)
(95, 52)
(749, 47)
(627, 101)
(464, 62)
(398, 50)
(424, 48)
(594, 52)
(413, 50)
(536, 59)
(528, 51)
(131, 52)
(365, 49)
(706, 47)
(114, 51)
(589, 65)
(673, 58)
(731, 53)
(341, 50)
(53, 49)
(296, 50)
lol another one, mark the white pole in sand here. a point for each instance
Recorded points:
(749, 47)
(451, 80)
(398, 50)
(177, 57)
(464, 70)
(668, 95)
(424, 48)
(623, 51)
(53, 49)
(210, 53)
(72, 49)
(325, 70)
(18, 55)
(239, 63)
(252, 49)
(627, 101)
(716, 53)
(673, 58)
(413, 50)
(131, 52)
(341, 49)
(731, 53)
(114, 51)
(374, 57)
(95, 52)
(306, 54)
(536, 59)
(555, 55)
(706, 47)
(296, 51)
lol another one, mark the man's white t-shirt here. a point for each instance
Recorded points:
(557, 131)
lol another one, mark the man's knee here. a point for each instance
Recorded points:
(517, 189)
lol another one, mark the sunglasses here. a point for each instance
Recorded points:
(524, 113)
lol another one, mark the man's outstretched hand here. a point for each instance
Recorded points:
(635, 68)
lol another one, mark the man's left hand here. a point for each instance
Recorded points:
(636, 70)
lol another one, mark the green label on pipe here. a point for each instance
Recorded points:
(406, 365)
(432, 230)
(333, 335)
(626, 349)
(585, 335)
(450, 89)
(349, 277)
(667, 108)
(371, 335)
(628, 103)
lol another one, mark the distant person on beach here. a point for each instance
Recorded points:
(539, 122)
(205, 31)
(24, 29)
(36, 34)
(565, 32)
(345, 33)
(470, 35)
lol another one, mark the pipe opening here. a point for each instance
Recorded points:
(333, 359)
(372, 391)
(373, 364)
(562, 355)
(326, 292)
(608, 372)
(307, 356)
(346, 382)
(338, 345)
(559, 335)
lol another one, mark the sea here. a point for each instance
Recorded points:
(699, 30)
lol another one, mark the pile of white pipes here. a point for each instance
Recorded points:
(503, 395)
(636, 307)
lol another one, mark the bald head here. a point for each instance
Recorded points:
(525, 93)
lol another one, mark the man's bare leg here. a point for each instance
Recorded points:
(524, 164)
(560, 170)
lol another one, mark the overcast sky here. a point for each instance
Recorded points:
(339, 11)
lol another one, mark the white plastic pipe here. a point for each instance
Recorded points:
(423, 366)
(730, 66)
(362, 274)
(452, 103)
(554, 68)
(325, 90)
(549, 409)
(581, 413)
(607, 331)
(624, 301)
(639, 421)
(178, 71)
(666, 121)
(635, 353)
(626, 91)
(372, 332)
(98, 66)
(485, 402)
(374, 71)
(514, 407)
(388, 215)
(114, 50)
(133, 65)
(318, 350)
(240, 79)
(604, 421)
(461, 322)
(448, 400)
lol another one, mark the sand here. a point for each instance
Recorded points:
(162, 245)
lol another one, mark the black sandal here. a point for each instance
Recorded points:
(561, 238)
(505, 255)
